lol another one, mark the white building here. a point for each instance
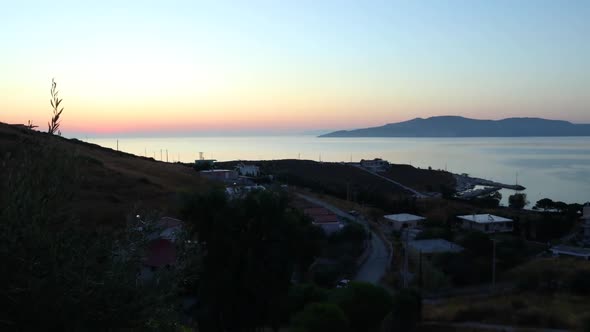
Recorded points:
(487, 223)
(248, 170)
(403, 220)
(561, 250)
(376, 165)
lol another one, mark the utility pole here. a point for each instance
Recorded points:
(421, 280)
(117, 145)
(405, 268)
(166, 155)
(493, 264)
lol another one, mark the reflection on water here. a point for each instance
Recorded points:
(558, 168)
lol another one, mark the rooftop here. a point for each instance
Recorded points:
(484, 218)
(403, 217)
(316, 211)
(433, 246)
(576, 251)
(216, 171)
(325, 219)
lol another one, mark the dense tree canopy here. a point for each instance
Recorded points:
(252, 247)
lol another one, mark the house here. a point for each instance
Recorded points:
(586, 225)
(329, 223)
(161, 248)
(224, 175)
(403, 220)
(433, 246)
(240, 191)
(561, 250)
(486, 223)
(324, 218)
(248, 170)
(376, 165)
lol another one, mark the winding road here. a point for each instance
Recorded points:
(413, 191)
(375, 266)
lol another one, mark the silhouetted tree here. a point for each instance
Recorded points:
(518, 201)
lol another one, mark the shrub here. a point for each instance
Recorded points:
(320, 317)
(579, 282)
(541, 318)
(364, 304)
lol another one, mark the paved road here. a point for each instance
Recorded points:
(374, 267)
(491, 327)
(415, 192)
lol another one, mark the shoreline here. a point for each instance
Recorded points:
(465, 186)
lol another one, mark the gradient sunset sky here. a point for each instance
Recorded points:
(232, 66)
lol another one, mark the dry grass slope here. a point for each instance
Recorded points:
(111, 183)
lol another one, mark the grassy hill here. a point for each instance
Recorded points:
(109, 184)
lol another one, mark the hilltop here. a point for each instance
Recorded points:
(111, 184)
(456, 126)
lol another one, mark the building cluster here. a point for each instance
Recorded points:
(410, 226)
(242, 174)
(376, 165)
(320, 216)
(583, 250)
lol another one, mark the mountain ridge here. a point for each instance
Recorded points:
(458, 126)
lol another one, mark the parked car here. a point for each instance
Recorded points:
(342, 283)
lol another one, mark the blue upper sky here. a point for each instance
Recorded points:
(313, 64)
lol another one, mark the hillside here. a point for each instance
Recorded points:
(345, 181)
(110, 184)
(456, 126)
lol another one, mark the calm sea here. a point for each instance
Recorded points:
(558, 168)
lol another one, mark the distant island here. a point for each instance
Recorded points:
(457, 126)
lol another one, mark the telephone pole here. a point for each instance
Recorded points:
(493, 264)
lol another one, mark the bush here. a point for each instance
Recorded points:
(304, 294)
(320, 317)
(364, 304)
(540, 318)
(407, 310)
(579, 282)
(477, 313)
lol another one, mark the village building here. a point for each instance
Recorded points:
(486, 223)
(248, 170)
(324, 218)
(562, 250)
(403, 220)
(234, 192)
(433, 246)
(376, 165)
(224, 175)
(161, 248)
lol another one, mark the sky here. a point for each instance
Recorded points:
(125, 67)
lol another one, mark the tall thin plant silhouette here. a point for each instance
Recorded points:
(55, 119)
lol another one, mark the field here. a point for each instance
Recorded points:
(543, 297)
(110, 184)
